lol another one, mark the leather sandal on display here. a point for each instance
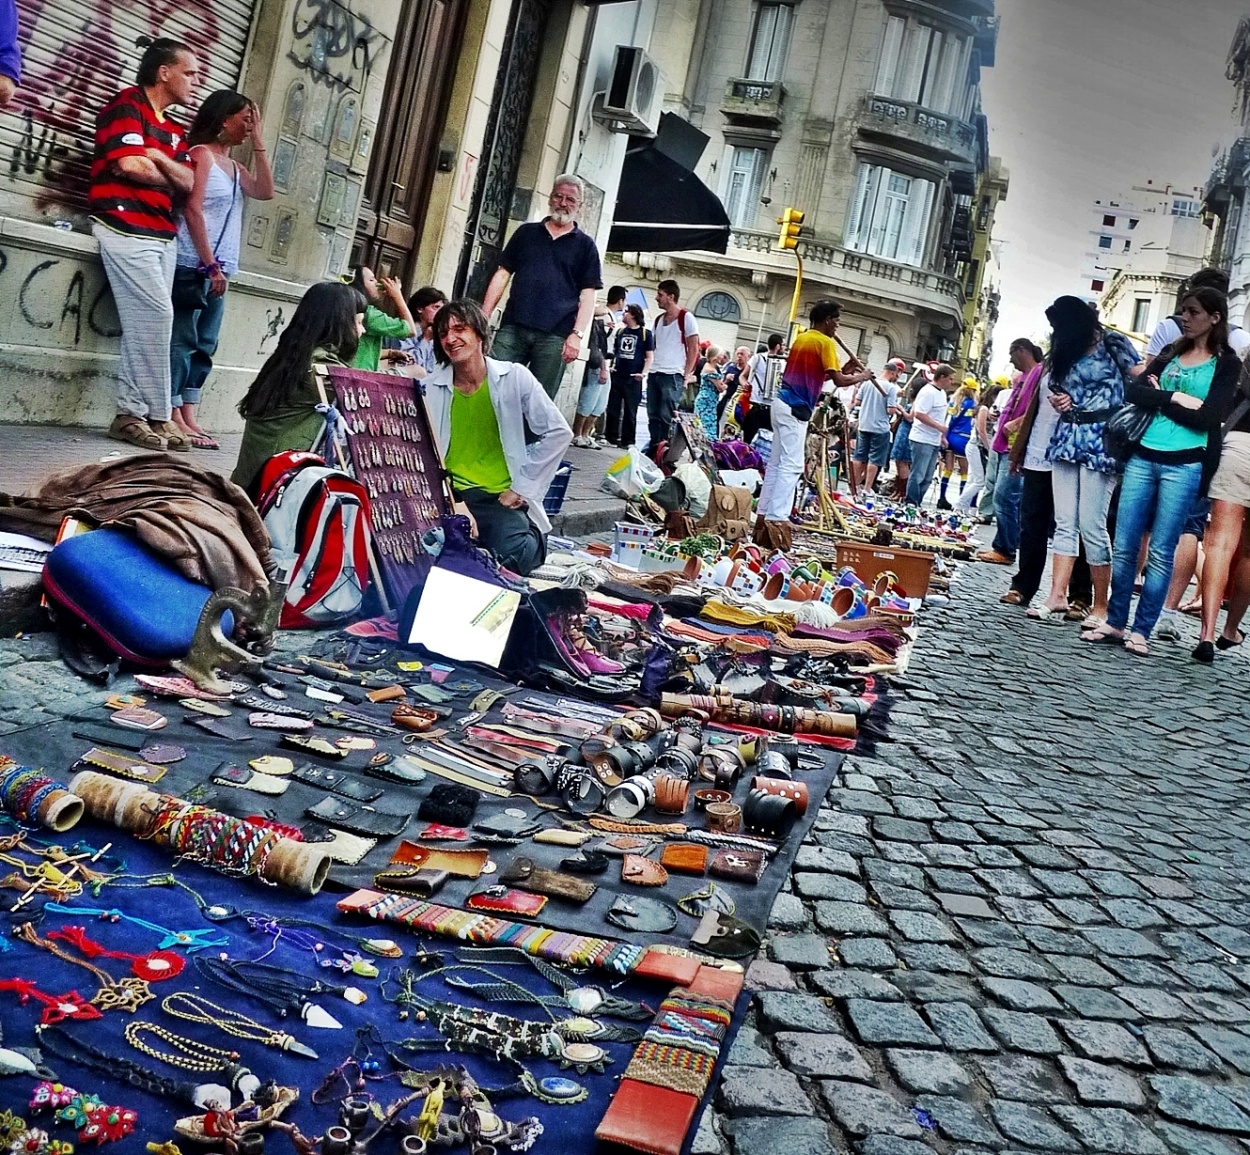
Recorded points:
(136, 431)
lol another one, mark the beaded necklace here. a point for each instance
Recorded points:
(197, 1009)
(191, 1055)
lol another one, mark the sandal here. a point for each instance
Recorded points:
(1044, 613)
(1103, 634)
(1135, 644)
(1093, 623)
(1077, 612)
(136, 431)
(203, 441)
(1012, 598)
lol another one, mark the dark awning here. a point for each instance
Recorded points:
(662, 207)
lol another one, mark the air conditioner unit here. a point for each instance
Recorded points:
(632, 101)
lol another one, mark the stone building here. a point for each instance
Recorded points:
(866, 115)
(981, 295)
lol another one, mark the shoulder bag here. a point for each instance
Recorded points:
(190, 291)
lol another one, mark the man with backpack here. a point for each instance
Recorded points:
(761, 378)
(676, 335)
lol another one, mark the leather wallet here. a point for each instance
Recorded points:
(647, 1118)
(738, 865)
(501, 900)
(310, 745)
(556, 884)
(399, 770)
(684, 857)
(418, 880)
(337, 782)
(507, 825)
(665, 967)
(348, 815)
(462, 863)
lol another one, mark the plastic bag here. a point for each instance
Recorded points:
(631, 475)
(698, 487)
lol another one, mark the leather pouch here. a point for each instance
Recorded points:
(684, 857)
(553, 883)
(640, 871)
(337, 782)
(586, 862)
(647, 1118)
(621, 844)
(218, 729)
(507, 826)
(738, 865)
(400, 770)
(309, 745)
(501, 900)
(723, 936)
(123, 765)
(558, 836)
(419, 880)
(461, 863)
(347, 815)
(641, 914)
(267, 720)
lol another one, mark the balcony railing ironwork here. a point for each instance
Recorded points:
(759, 100)
(937, 130)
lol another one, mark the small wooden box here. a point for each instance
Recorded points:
(912, 566)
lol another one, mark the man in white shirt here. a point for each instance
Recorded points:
(763, 375)
(676, 350)
(878, 401)
(928, 432)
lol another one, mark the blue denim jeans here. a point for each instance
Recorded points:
(191, 349)
(924, 459)
(1007, 491)
(1154, 499)
(663, 394)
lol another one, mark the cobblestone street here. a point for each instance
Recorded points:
(1022, 924)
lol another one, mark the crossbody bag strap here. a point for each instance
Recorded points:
(234, 196)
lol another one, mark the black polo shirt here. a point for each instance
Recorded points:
(548, 275)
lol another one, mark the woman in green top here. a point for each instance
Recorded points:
(1190, 387)
(379, 325)
(280, 408)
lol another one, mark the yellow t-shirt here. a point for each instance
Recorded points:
(475, 457)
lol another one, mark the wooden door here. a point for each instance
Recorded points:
(414, 107)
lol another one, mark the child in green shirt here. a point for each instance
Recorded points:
(379, 325)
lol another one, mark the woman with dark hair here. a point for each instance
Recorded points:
(414, 356)
(633, 348)
(1190, 388)
(208, 244)
(280, 408)
(1089, 369)
(481, 411)
(379, 324)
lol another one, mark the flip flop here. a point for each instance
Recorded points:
(1139, 648)
(203, 441)
(1012, 598)
(1045, 614)
(1102, 635)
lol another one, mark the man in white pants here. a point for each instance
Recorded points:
(140, 163)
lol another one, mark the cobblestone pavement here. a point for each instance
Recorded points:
(1023, 924)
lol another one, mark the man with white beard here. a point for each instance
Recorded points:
(554, 268)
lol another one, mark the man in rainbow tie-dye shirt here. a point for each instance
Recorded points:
(812, 361)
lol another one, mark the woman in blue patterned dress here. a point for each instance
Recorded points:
(711, 386)
(1089, 366)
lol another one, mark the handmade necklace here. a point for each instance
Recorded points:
(197, 1009)
(280, 989)
(155, 966)
(346, 961)
(127, 994)
(59, 1042)
(579, 997)
(191, 1055)
(56, 1008)
(188, 940)
(503, 1035)
(214, 912)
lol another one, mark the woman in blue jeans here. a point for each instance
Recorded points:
(1190, 387)
(208, 242)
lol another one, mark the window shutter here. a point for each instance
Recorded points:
(887, 67)
(930, 75)
(911, 67)
(878, 218)
(942, 96)
(861, 213)
(916, 228)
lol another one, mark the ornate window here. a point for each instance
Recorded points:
(718, 306)
(770, 41)
(890, 215)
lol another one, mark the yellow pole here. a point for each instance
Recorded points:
(798, 289)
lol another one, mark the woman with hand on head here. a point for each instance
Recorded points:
(378, 324)
(1089, 369)
(208, 243)
(1190, 388)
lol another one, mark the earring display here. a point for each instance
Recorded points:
(396, 459)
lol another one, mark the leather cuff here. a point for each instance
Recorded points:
(795, 791)
(769, 815)
(671, 794)
(724, 817)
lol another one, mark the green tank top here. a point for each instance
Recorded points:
(474, 456)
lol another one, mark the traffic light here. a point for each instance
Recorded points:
(791, 222)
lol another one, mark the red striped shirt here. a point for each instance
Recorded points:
(128, 126)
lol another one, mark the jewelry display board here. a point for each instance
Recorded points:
(687, 432)
(396, 458)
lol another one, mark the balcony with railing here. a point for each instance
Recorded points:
(935, 132)
(1228, 177)
(754, 101)
(860, 272)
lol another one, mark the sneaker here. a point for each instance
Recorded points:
(174, 437)
(1167, 628)
(581, 442)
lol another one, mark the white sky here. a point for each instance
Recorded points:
(1086, 99)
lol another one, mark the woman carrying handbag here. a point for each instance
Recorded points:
(1189, 390)
(208, 245)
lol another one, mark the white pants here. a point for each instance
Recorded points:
(976, 479)
(141, 274)
(785, 466)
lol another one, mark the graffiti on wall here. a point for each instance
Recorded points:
(336, 46)
(76, 56)
(46, 300)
